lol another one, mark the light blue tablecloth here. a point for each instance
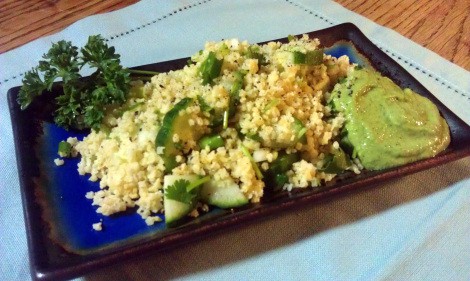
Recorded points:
(414, 228)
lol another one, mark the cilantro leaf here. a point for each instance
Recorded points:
(179, 192)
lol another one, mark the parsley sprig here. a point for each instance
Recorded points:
(84, 101)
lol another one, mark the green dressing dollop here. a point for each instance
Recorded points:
(387, 126)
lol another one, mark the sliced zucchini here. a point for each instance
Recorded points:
(174, 123)
(178, 201)
(223, 194)
(175, 211)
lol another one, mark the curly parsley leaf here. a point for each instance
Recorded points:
(84, 102)
(33, 86)
(178, 191)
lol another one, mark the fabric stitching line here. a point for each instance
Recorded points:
(124, 33)
(408, 61)
(315, 14)
(423, 70)
(152, 22)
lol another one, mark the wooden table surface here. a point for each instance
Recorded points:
(441, 26)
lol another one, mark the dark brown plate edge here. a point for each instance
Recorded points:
(382, 62)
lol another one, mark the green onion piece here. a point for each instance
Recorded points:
(301, 133)
(210, 68)
(271, 104)
(196, 183)
(225, 122)
(235, 92)
(203, 105)
(129, 108)
(255, 137)
(238, 83)
(253, 52)
(141, 78)
(224, 50)
(211, 141)
(245, 151)
(300, 130)
(298, 57)
(314, 57)
(144, 72)
(290, 38)
(64, 149)
(189, 62)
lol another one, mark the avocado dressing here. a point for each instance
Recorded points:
(387, 126)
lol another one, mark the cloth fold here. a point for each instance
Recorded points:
(412, 228)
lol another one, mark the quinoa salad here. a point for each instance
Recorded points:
(238, 119)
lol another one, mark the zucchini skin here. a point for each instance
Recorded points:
(165, 134)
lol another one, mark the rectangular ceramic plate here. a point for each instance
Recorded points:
(59, 217)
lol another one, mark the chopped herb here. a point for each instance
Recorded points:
(84, 101)
(254, 53)
(203, 105)
(225, 119)
(144, 72)
(197, 183)
(132, 107)
(245, 151)
(235, 92)
(178, 191)
(210, 68)
(273, 103)
(64, 149)
(312, 58)
(211, 141)
(336, 162)
(276, 175)
(298, 57)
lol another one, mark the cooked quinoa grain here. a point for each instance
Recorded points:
(98, 226)
(58, 162)
(280, 110)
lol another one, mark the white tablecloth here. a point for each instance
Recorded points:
(413, 228)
